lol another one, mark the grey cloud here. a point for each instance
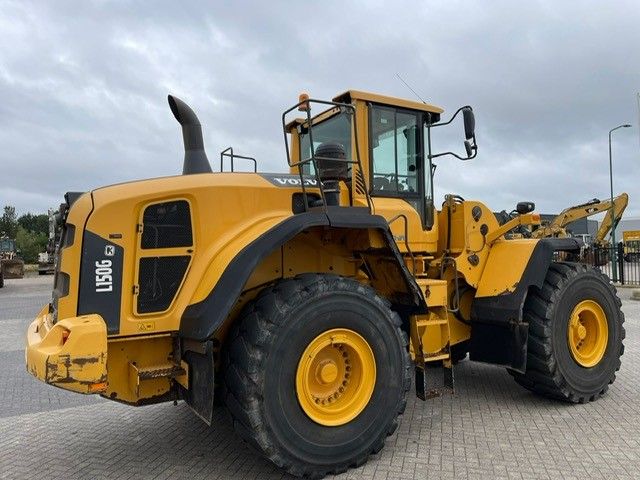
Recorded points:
(83, 87)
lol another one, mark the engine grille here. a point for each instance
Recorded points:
(167, 225)
(159, 280)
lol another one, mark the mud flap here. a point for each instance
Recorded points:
(500, 344)
(199, 395)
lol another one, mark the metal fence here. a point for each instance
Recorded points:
(620, 262)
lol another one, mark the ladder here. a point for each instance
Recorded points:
(432, 342)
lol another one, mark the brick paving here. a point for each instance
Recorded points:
(491, 428)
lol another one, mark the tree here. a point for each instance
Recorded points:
(30, 244)
(8, 223)
(35, 223)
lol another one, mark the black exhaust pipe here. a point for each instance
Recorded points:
(195, 158)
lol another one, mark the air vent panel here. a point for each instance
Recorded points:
(167, 225)
(159, 279)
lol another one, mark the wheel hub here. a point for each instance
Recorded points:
(582, 332)
(327, 372)
(587, 333)
(335, 377)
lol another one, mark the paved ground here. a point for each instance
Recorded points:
(491, 428)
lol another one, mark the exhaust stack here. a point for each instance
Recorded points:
(195, 158)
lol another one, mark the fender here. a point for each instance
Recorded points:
(498, 334)
(201, 320)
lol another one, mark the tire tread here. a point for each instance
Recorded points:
(244, 377)
(543, 375)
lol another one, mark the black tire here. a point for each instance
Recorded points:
(1, 278)
(262, 355)
(551, 369)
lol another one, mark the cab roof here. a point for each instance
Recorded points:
(350, 95)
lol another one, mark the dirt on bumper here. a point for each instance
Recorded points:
(71, 354)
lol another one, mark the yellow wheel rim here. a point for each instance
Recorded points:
(588, 333)
(336, 376)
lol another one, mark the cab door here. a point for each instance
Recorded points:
(400, 185)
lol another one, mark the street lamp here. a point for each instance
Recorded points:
(614, 265)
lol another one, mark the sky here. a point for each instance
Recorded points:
(83, 88)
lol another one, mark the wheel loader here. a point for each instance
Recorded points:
(309, 302)
(11, 265)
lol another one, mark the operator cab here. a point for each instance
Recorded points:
(374, 145)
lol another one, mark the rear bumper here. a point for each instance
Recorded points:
(72, 354)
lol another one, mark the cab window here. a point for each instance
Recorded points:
(335, 129)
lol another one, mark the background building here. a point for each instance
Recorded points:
(630, 223)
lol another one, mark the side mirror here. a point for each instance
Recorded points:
(468, 147)
(469, 124)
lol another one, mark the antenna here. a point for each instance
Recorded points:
(409, 87)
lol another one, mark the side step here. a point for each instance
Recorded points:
(169, 370)
(434, 380)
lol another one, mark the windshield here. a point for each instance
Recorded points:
(335, 129)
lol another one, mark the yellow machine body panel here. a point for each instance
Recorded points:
(227, 211)
(505, 266)
(406, 225)
(140, 369)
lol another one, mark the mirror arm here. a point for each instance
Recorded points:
(452, 118)
(453, 155)
(475, 152)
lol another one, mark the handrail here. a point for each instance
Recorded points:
(406, 238)
(344, 107)
(228, 152)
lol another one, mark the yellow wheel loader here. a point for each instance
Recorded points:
(11, 265)
(307, 301)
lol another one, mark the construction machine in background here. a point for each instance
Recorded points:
(631, 245)
(597, 252)
(46, 259)
(306, 301)
(556, 227)
(11, 265)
